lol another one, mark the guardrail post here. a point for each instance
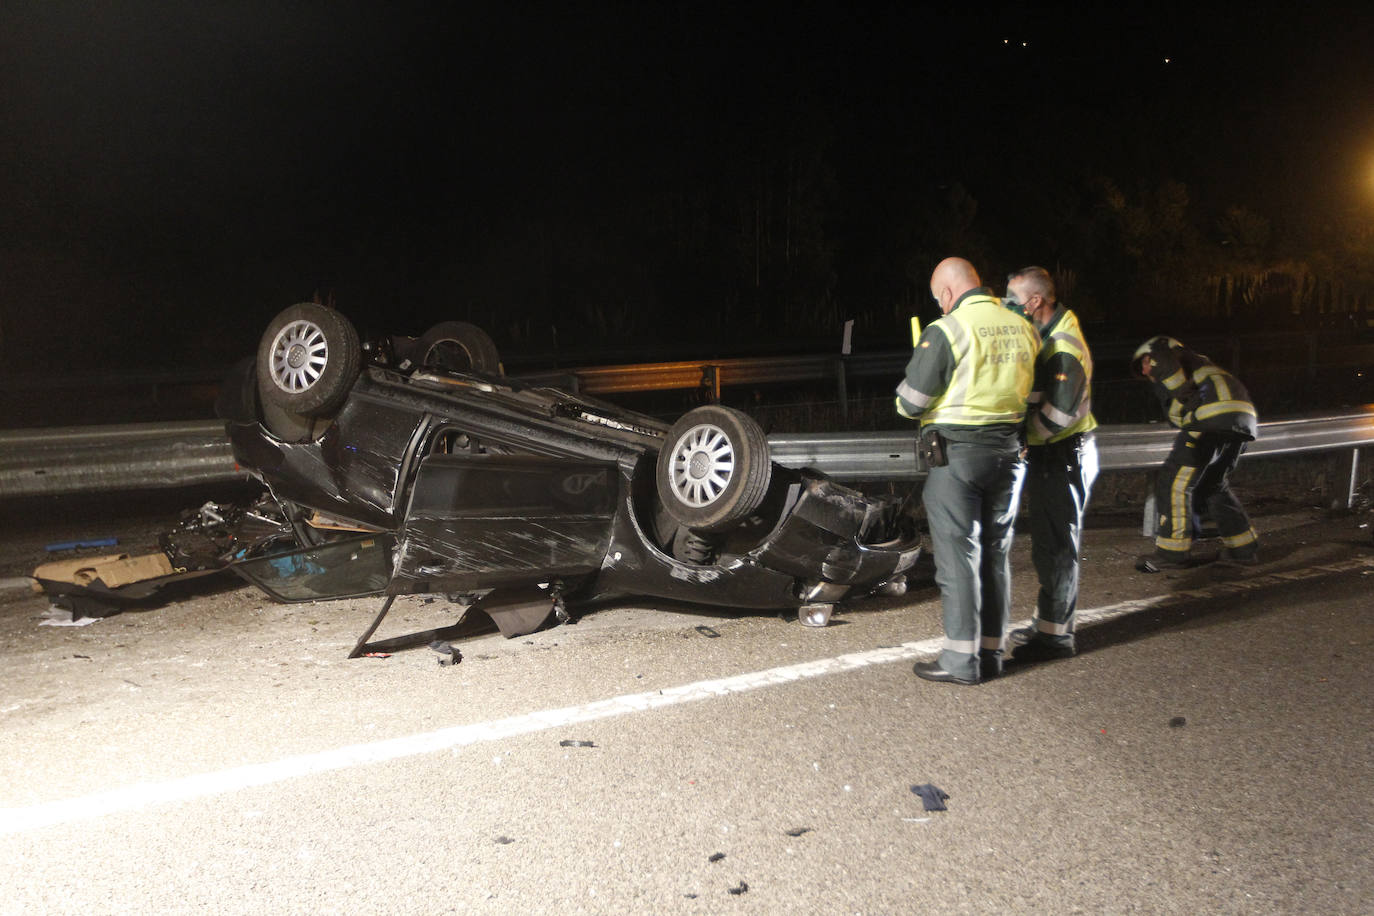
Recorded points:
(1149, 526)
(1347, 479)
(710, 382)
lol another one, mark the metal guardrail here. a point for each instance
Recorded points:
(157, 455)
(135, 456)
(891, 455)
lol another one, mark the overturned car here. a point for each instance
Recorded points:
(413, 465)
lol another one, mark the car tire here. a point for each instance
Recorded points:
(459, 346)
(714, 468)
(308, 359)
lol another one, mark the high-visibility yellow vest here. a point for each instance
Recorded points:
(1068, 338)
(994, 351)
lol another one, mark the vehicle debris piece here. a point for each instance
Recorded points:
(569, 742)
(715, 857)
(504, 840)
(797, 831)
(741, 888)
(80, 544)
(449, 654)
(111, 571)
(932, 797)
(1177, 722)
(708, 632)
(58, 616)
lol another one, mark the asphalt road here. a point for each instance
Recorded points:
(1208, 751)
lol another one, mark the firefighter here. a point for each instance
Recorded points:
(1216, 421)
(968, 380)
(1061, 461)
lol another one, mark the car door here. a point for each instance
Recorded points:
(479, 520)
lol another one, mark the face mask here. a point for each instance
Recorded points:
(1012, 305)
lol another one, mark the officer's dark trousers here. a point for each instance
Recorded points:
(971, 508)
(1059, 481)
(1197, 476)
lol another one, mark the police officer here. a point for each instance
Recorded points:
(968, 380)
(1061, 463)
(1216, 420)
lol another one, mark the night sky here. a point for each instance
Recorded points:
(171, 175)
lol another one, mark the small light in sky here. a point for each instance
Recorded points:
(1006, 41)
(1167, 59)
(1025, 44)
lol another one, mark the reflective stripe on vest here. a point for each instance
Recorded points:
(1067, 338)
(994, 352)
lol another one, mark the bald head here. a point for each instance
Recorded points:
(952, 278)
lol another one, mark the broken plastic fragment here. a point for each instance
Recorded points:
(707, 632)
(504, 840)
(815, 615)
(376, 655)
(933, 797)
(568, 742)
(1177, 722)
(450, 652)
(797, 831)
(715, 857)
(85, 542)
(740, 889)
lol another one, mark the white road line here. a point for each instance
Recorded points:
(143, 795)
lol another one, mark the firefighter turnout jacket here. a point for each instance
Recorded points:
(1197, 394)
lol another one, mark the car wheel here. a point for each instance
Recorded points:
(459, 346)
(714, 468)
(308, 360)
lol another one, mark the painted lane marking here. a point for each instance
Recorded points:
(204, 785)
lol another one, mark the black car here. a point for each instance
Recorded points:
(405, 466)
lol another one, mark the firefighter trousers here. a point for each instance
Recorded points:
(1196, 477)
(1059, 482)
(971, 509)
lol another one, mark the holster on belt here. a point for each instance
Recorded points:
(931, 447)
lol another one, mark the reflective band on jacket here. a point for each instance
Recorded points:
(906, 393)
(1226, 402)
(1067, 338)
(994, 352)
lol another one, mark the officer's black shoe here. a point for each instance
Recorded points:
(1022, 635)
(1041, 650)
(931, 671)
(989, 665)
